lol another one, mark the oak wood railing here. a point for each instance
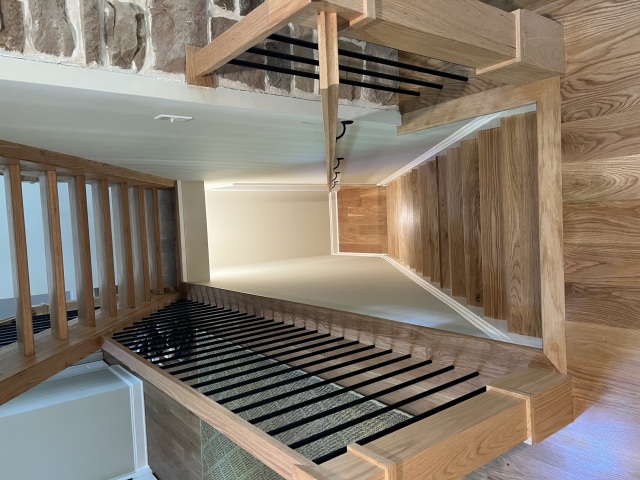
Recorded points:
(139, 288)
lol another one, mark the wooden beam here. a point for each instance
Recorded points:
(255, 27)
(549, 399)
(82, 250)
(123, 246)
(492, 223)
(448, 445)
(265, 448)
(104, 247)
(19, 259)
(466, 32)
(209, 81)
(329, 84)
(70, 165)
(368, 15)
(53, 254)
(155, 242)
(539, 51)
(18, 373)
(551, 254)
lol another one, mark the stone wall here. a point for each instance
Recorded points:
(149, 37)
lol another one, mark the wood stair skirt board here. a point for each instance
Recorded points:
(450, 441)
(467, 221)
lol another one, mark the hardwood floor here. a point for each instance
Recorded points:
(362, 219)
(601, 171)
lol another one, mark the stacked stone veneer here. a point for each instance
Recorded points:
(149, 37)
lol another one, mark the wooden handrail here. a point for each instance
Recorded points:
(37, 160)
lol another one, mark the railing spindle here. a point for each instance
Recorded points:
(104, 247)
(19, 260)
(123, 247)
(53, 254)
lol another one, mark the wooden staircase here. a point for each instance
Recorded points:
(467, 221)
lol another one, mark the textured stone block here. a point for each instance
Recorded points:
(174, 25)
(348, 92)
(279, 80)
(378, 96)
(91, 28)
(226, 4)
(251, 77)
(125, 34)
(50, 27)
(247, 5)
(11, 25)
(302, 83)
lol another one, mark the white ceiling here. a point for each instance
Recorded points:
(109, 117)
(222, 145)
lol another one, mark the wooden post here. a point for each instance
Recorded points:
(329, 84)
(53, 254)
(155, 244)
(104, 247)
(141, 247)
(19, 261)
(82, 250)
(123, 248)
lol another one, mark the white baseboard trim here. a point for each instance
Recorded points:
(468, 315)
(143, 473)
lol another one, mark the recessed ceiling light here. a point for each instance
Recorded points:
(174, 118)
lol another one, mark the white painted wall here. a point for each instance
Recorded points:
(193, 232)
(256, 227)
(85, 423)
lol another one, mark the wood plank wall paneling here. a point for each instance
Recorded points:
(362, 219)
(433, 219)
(50, 204)
(443, 215)
(19, 261)
(123, 246)
(104, 248)
(471, 214)
(174, 437)
(520, 215)
(82, 250)
(424, 220)
(418, 246)
(455, 207)
(491, 223)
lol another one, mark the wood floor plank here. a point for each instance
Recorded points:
(611, 179)
(520, 216)
(424, 221)
(455, 207)
(433, 219)
(416, 226)
(443, 215)
(491, 223)
(471, 214)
